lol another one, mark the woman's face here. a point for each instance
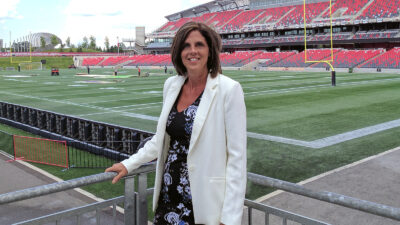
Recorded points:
(195, 53)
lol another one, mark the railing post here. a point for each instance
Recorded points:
(130, 201)
(142, 199)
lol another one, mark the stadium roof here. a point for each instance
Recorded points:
(213, 6)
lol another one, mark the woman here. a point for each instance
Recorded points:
(200, 142)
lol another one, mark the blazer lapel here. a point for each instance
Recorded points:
(170, 98)
(208, 96)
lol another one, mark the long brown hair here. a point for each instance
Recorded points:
(213, 41)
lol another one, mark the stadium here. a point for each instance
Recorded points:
(302, 128)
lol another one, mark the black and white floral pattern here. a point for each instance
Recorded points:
(175, 201)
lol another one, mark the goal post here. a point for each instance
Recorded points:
(330, 34)
(327, 61)
(30, 66)
(21, 45)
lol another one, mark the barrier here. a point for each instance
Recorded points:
(38, 150)
(135, 202)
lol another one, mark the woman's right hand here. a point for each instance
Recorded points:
(120, 169)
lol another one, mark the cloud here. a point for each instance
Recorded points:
(117, 18)
(8, 10)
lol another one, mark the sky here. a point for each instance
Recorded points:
(76, 19)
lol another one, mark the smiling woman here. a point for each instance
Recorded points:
(200, 141)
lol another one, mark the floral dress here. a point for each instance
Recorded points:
(175, 201)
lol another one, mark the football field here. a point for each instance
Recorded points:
(299, 125)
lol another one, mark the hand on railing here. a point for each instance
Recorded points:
(120, 169)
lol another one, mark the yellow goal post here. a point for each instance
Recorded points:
(29, 40)
(329, 62)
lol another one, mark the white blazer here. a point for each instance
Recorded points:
(217, 153)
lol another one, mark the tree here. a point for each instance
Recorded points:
(54, 40)
(92, 44)
(62, 47)
(42, 42)
(107, 44)
(85, 43)
(68, 42)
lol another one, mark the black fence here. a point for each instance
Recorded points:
(92, 156)
(111, 141)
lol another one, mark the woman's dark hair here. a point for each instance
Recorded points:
(213, 41)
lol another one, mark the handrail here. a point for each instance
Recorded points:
(66, 185)
(338, 199)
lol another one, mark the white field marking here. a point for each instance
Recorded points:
(111, 88)
(332, 140)
(324, 142)
(111, 100)
(91, 114)
(126, 106)
(141, 116)
(81, 105)
(147, 107)
(288, 90)
(57, 179)
(311, 82)
(124, 110)
(121, 99)
(311, 179)
(152, 92)
(77, 85)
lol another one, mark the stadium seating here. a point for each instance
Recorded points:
(231, 41)
(112, 61)
(299, 38)
(272, 57)
(222, 17)
(390, 59)
(381, 9)
(257, 40)
(238, 58)
(297, 60)
(375, 34)
(92, 61)
(160, 60)
(327, 37)
(351, 58)
(242, 19)
(348, 8)
(271, 15)
(296, 16)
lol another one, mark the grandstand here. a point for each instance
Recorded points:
(363, 30)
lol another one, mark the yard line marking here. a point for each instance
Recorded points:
(145, 104)
(146, 117)
(288, 90)
(113, 111)
(279, 139)
(141, 116)
(332, 140)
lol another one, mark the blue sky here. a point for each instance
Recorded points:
(79, 18)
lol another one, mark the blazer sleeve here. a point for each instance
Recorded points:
(236, 138)
(150, 150)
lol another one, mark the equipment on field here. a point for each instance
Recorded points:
(55, 71)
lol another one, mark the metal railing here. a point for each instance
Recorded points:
(135, 203)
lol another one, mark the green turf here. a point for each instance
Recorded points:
(302, 106)
(60, 62)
